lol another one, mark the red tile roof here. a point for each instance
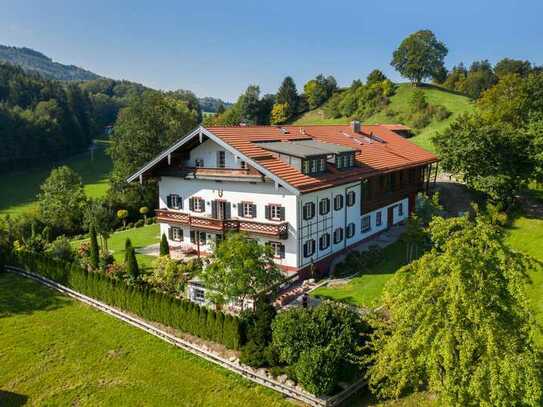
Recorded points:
(380, 150)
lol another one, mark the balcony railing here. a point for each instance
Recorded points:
(239, 174)
(277, 230)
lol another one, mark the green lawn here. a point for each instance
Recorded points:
(56, 351)
(400, 104)
(140, 237)
(365, 290)
(19, 189)
(526, 235)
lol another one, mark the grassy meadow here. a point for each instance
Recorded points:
(19, 189)
(57, 351)
(399, 103)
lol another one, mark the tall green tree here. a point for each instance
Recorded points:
(150, 123)
(287, 93)
(240, 268)
(318, 90)
(507, 66)
(458, 324)
(131, 265)
(61, 200)
(94, 252)
(420, 56)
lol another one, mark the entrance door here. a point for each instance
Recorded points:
(390, 216)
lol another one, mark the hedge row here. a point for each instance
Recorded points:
(151, 305)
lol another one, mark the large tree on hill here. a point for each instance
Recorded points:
(458, 322)
(288, 94)
(419, 56)
(61, 200)
(149, 124)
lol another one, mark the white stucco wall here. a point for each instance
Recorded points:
(207, 151)
(261, 194)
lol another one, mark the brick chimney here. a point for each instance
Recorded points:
(355, 126)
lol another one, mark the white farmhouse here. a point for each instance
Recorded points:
(310, 192)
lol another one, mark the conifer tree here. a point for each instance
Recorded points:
(131, 264)
(94, 249)
(164, 247)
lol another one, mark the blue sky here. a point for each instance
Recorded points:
(217, 48)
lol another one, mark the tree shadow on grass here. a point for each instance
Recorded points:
(10, 399)
(20, 295)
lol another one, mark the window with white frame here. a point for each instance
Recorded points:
(351, 198)
(278, 250)
(221, 159)
(314, 164)
(198, 204)
(338, 202)
(338, 235)
(199, 162)
(349, 232)
(378, 218)
(324, 241)
(243, 165)
(366, 224)
(275, 212)
(247, 209)
(309, 210)
(309, 248)
(176, 234)
(174, 201)
(400, 209)
(324, 206)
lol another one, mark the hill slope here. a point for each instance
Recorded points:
(399, 103)
(31, 60)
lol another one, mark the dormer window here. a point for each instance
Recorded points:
(199, 163)
(221, 159)
(344, 160)
(314, 165)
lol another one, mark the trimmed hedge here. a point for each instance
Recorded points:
(148, 304)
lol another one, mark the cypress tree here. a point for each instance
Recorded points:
(164, 247)
(94, 250)
(131, 264)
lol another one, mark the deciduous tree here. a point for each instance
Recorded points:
(61, 200)
(240, 268)
(419, 56)
(457, 322)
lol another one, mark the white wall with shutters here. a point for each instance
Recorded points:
(261, 194)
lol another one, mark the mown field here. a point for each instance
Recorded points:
(19, 189)
(399, 103)
(56, 351)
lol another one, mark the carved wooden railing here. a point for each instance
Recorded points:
(277, 230)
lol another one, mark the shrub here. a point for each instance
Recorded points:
(329, 336)
(421, 120)
(317, 370)
(440, 112)
(60, 249)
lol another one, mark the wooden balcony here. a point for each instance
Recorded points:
(230, 174)
(276, 230)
